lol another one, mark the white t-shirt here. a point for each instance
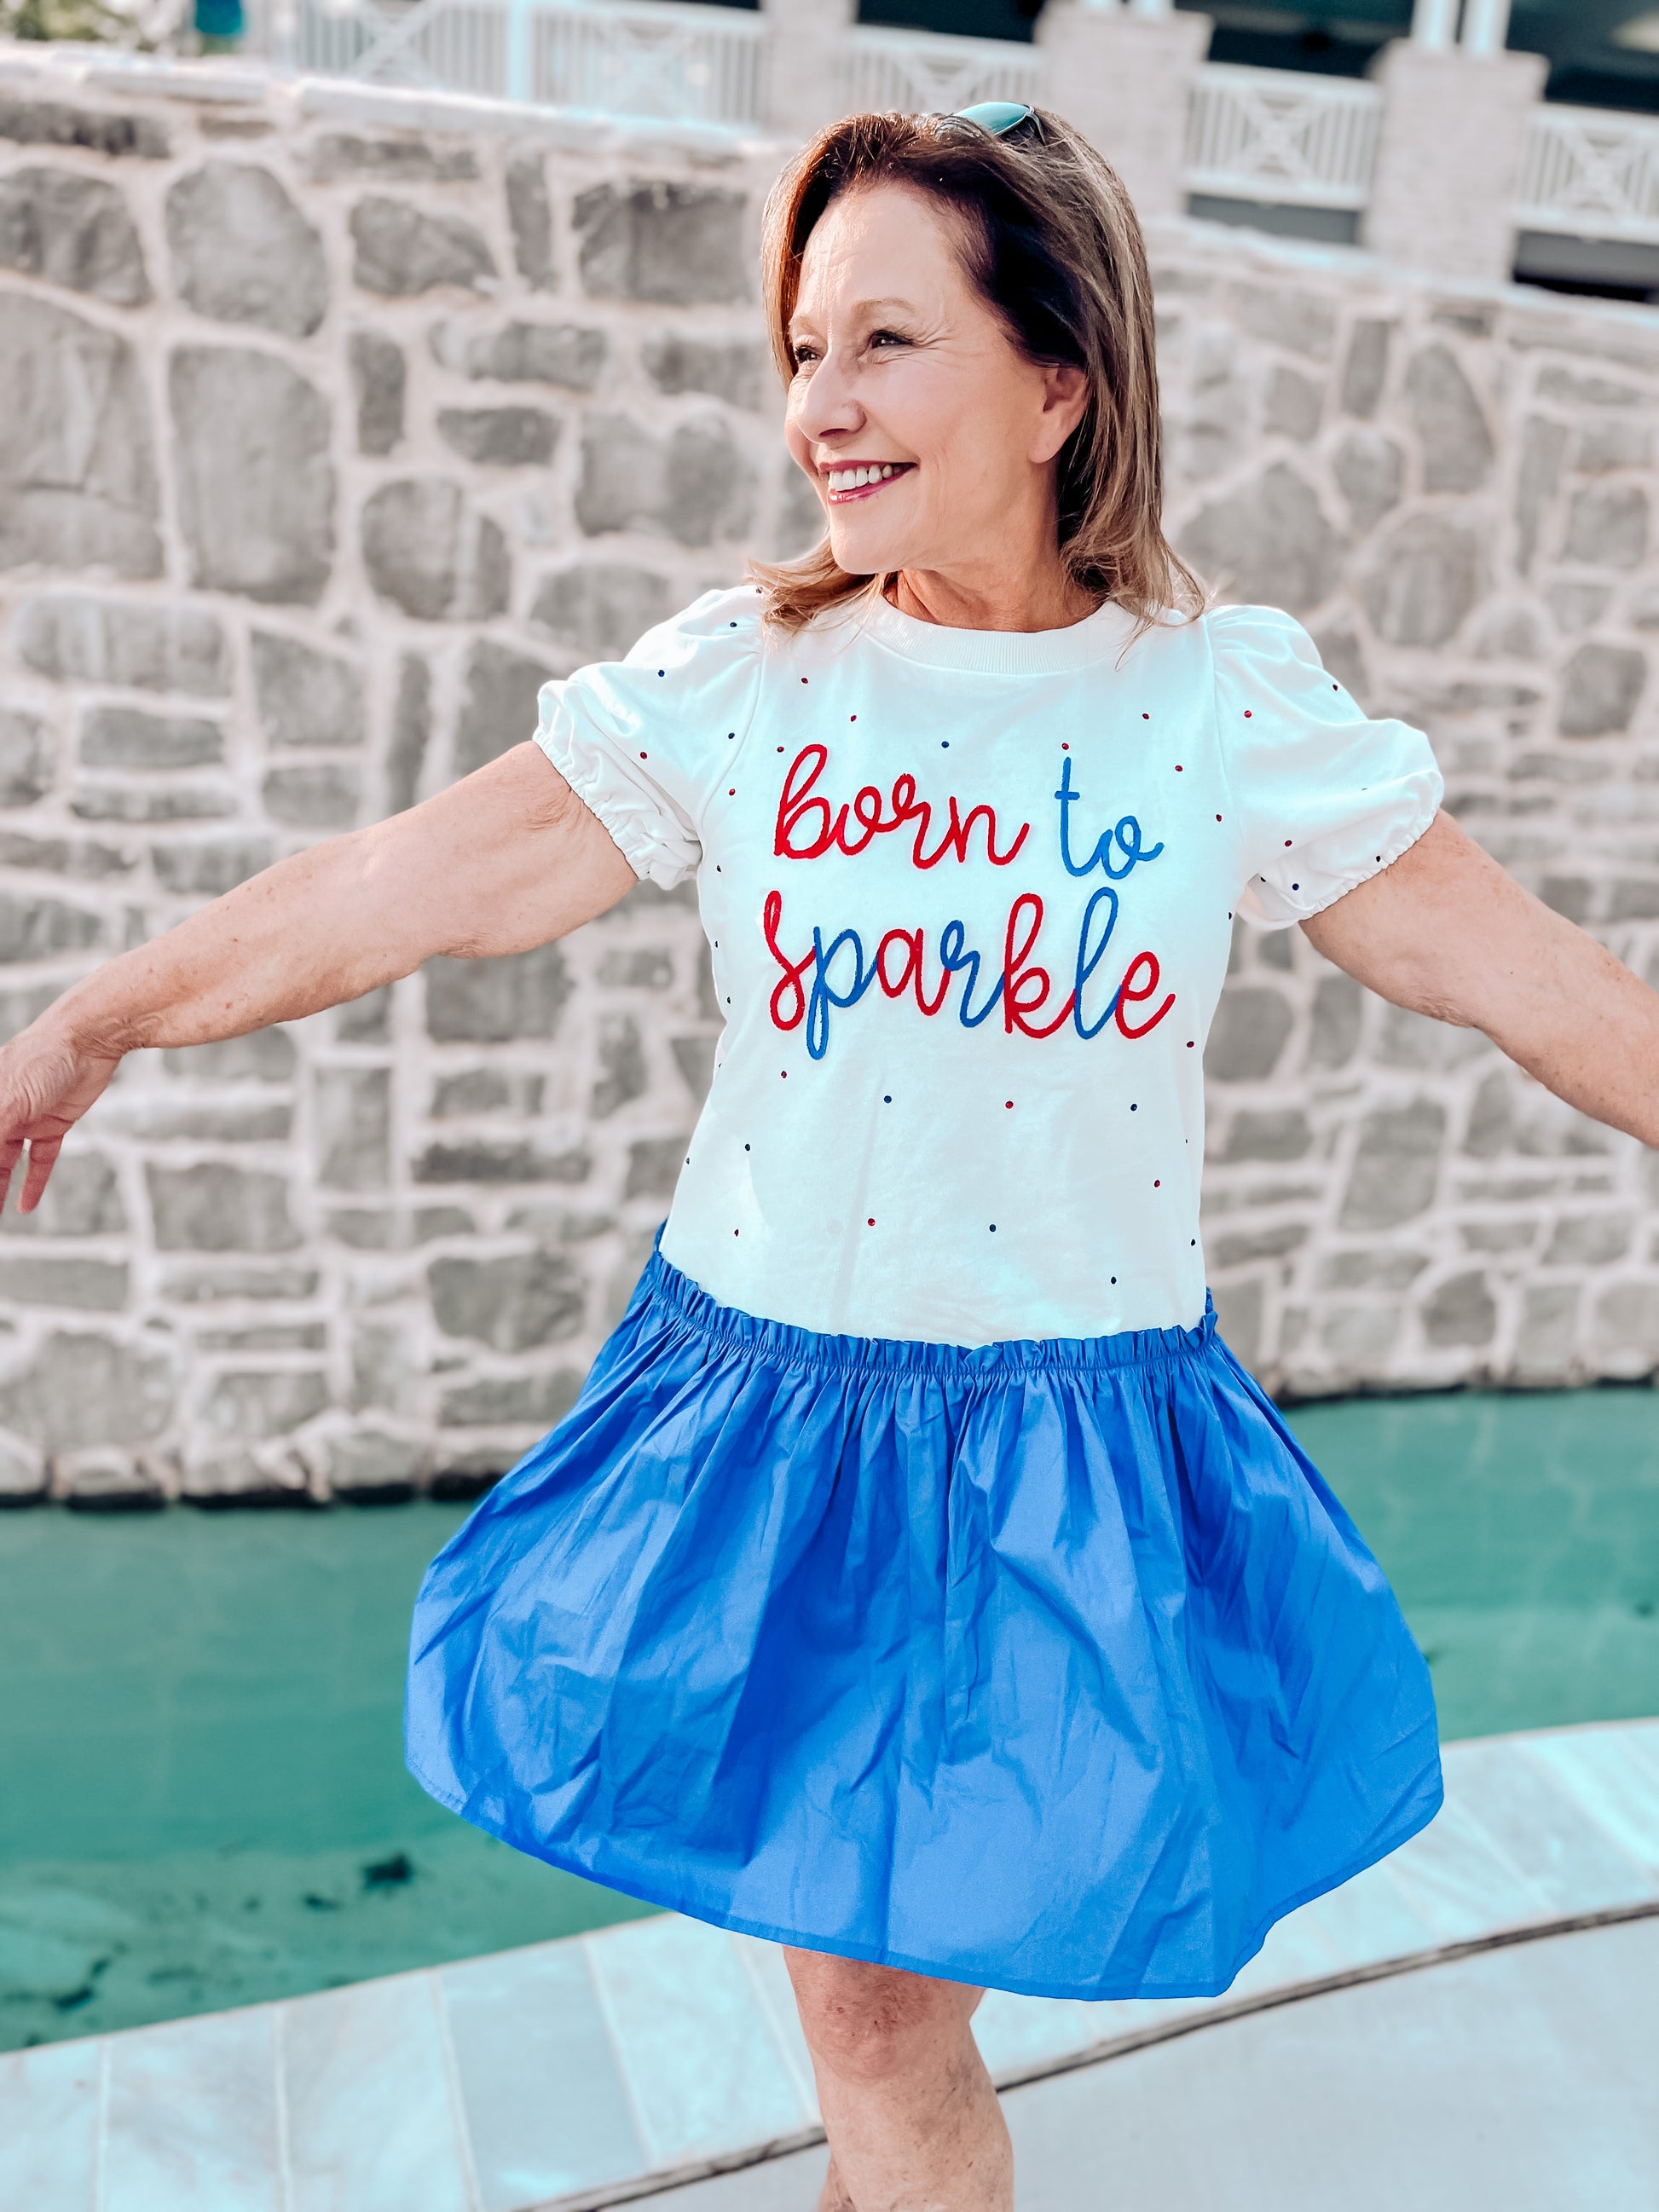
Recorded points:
(970, 895)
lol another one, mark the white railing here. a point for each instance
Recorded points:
(924, 73)
(1591, 173)
(1282, 135)
(676, 63)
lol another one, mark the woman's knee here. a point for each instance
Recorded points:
(871, 2024)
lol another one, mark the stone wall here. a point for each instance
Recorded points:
(336, 421)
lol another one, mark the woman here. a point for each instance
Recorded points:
(919, 1581)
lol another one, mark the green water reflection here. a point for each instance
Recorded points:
(203, 1799)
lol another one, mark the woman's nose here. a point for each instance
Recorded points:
(828, 403)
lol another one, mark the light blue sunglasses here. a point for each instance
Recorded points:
(998, 117)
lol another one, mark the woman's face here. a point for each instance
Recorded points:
(930, 437)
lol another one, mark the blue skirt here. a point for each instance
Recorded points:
(1049, 1665)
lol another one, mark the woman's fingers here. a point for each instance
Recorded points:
(46, 1086)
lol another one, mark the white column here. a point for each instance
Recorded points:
(1486, 25)
(1448, 160)
(805, 43)
(1434, 23)
(1123, 75)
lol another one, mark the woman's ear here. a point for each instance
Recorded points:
(1065, 398)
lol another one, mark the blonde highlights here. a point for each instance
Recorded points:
(1054, 246)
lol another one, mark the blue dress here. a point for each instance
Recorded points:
(920, 1578)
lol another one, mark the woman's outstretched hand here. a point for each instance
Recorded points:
(503, 860)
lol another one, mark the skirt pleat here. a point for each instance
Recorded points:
(1051, 1666)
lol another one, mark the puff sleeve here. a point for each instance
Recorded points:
(643, 741)
(1326, 797)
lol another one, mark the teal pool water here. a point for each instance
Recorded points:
(202, 1794)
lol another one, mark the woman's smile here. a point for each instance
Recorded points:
(850, 480)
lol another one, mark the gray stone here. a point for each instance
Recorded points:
(23, 1472)
(676, 245)
(1460, 1310)
(432, 1222)
(599, 608)
(636, 967)
(382, 1368)
(1581, 390)
(1365, 370)
(75, 638)
(168, 803)
(654, 1166)
(1240, 1317)
(1339, 1005)
(1370, 468)
(1615, 442)
(1343, 656)
(499, 709)
(1578, 606)
(1625, 1331)
(65, 123)
(242, 1123)
(37, 928)
(206, 1286)
(500, 437)
(108, 1480)
(1512, 629)
(1588, 1240)
(499, 1401)
(411, 733)
(83, 1199)
(1543, 449)
(487, 1160)
(304, 697)
(371, 1466)
(353, 1123)
(25, 758)
(1405, 1038)
(128, 738)
(402, 252)
(1276, 1133)
(1396, 1165)
(380, 380)
(97, 1286)
(623, 1072)
(394, 157)
(1634, 898)
(242, 251)
(1302, 322)
(1270, 544)
(321, 795)
(530, 212)
(254, 1403)
(1251, 1024)
(514, 1304)
(430, 552)
(694, 484)
(1452, 431)
(479, 1091)
(1599, 687)
(563, 354)
(77, 462)
(211, 869)
(1272, 1241)
(1371, 1271)
(79, 1391)
(366, 1020)
(1607, 525)
(62, 856)
(1359, 1338)
(255, 483)
(733, 369)
(1544, 1341)
(1294, 404)
(1422, 578)
(800, 513)
(693, 1056)
(212, 1207)
(74, 231)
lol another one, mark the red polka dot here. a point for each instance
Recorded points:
(733, 793)
(1145, 718)
(1009, 1104)
(1156, 1183)
(779, 748)
(803, 679)
(1189, 1044)
(1178, 768)
(851, 718)
(1066, 749)
(871, 1223)
(784, 1074)
(1247, 714)
(1217, 817)
(1287, 840)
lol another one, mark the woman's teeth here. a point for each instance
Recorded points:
(855, 479)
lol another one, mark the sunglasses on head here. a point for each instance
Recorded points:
(997, 117)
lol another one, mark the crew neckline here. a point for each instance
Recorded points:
(1099, 637)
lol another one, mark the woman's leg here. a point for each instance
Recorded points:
(913, 2121)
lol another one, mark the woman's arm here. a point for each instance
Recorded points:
(504, 859)
(1446, 932)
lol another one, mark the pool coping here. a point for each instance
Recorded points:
(639, 2059)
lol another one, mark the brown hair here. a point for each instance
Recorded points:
(1052, 244)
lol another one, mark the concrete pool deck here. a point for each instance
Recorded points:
(650, 2057)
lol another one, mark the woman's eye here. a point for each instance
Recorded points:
(802, 355)
(889, 338)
